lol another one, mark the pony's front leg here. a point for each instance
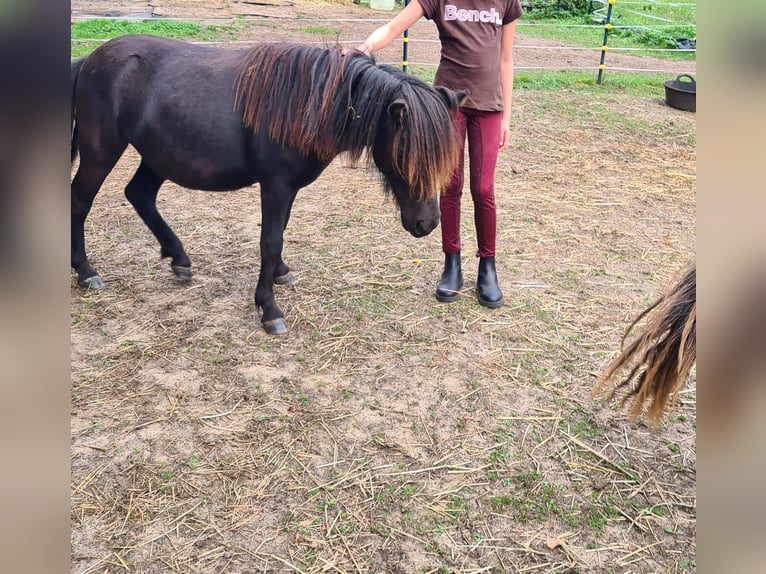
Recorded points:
(275, 206)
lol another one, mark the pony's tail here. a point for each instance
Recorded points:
(660, 357)
(76, 65)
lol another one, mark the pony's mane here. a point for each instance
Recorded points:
(318, 101)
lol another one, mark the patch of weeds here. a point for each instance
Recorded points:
(538, 374)
(571, 520)
(381, 529)
(104, 361)
(547, 501)
(225, 339)
(166, 476)
(457, 505)
(531, 505)
(326, 506)
(296, 528)
(673, 447)
(600, 511)
(345, 525)
(596, 520)
(136, 453)
(582, 424)
(502, 437)
(564, 279)
(191, 462)
(522, 509)
(528, 479)
(434, 546)
(658, 510)
(408, 491)
(501, 502)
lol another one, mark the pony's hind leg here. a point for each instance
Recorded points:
(91, 173)
(142, 195)
(283, 275)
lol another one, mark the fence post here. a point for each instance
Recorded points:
(405, 43)
(607, 28)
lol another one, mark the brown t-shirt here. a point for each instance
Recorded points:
(470, 32)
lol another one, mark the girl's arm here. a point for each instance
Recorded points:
(506, 78)
(387, 33)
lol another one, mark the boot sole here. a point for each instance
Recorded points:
(491, 304)
(447, 298)
(451, 298)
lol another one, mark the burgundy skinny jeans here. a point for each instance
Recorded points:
(483, 129)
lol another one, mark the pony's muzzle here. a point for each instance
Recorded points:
(424, 227)
(422, 218)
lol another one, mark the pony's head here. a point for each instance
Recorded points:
(415, 149)
(322, 103)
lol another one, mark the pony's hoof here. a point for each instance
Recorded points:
(94, 282)
(183, 273)
(276, 326)
(288, 279)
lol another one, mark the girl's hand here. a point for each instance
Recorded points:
(505, 137)
(364, 47)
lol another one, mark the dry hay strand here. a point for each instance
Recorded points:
(662, 354)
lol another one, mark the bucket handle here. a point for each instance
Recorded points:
(691, 79)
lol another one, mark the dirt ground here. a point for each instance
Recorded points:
(389, 433)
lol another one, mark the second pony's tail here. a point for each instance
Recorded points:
(660, 357)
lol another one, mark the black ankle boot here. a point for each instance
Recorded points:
(448, 289)
(487, 290)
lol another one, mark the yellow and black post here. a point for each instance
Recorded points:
(607, 27)
(405, 43)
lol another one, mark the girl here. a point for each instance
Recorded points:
(476, 56)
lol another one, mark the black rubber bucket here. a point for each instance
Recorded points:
(681, 94)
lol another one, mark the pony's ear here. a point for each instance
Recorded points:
(452, 99)
(397, 110)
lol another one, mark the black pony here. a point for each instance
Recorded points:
(277, 114)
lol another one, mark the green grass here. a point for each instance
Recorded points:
(105, 28)
(645, 26)
(321, 30)
(87, 35)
